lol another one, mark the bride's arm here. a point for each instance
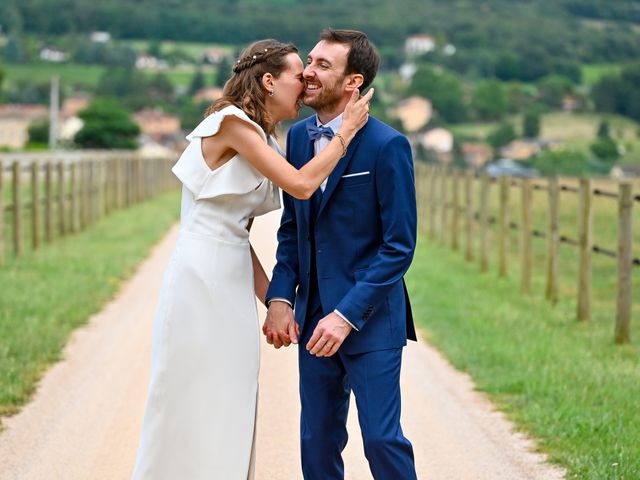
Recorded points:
(301, 184)
(260, 279)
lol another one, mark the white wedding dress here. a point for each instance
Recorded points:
(200, 416)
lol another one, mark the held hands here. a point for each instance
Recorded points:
(280, 326)
(328, 335)
(356, 113)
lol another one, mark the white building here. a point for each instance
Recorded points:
(149, 62)
(438, 140)
(52, 55)
(100, 37)
(419, 44)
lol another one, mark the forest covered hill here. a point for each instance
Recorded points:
(584, 30)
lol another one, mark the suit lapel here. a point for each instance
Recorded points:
(307, 154)
(335, 176)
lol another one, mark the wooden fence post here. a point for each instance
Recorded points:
(17, 209)
(433, 198)
(585, 243)
(93, 192)
(468, 209)
(455, 212)
(504, 226)
(484, 222)
(553, 240)
(48, 206)
(35, 205)
(62, 200)
(2, 257)
(445, 207)
(625, 264)
(74, 211)
(526, 232)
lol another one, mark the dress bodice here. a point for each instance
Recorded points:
(219, 202)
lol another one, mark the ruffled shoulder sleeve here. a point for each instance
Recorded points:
(211, 124)
(236, 176)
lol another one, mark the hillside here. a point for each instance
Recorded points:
(587, 30)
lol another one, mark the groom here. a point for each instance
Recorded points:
(341, 259)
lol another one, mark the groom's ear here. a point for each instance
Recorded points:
(354, 80)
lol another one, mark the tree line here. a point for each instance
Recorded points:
(491, 35)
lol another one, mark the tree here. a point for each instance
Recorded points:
(224, 72)
(14, 51)
(443, 89)
(128, 85)
(501, 136)
(489, 100)
(531, 125)
(197, 82)
(553, 88)
(605, 149)
(160, 88)
(603, 129)
(564, 162)
(39, 132)
(106, 125)
(155, 48)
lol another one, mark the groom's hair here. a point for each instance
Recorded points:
(363, 57)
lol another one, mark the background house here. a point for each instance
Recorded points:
(15, 121)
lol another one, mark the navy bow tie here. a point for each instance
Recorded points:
(315, 132)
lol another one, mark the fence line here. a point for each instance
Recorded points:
(64, 193)
(440, 210)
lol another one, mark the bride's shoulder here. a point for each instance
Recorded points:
(210, 125)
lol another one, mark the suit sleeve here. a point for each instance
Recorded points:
(285, 274)
(395, 188)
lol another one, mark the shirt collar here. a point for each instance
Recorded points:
(334, 124)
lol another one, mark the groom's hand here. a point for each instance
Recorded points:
(328, 335)
(280, 326)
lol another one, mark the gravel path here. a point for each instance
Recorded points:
(84, 420)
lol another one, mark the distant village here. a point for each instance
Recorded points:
(162, 132)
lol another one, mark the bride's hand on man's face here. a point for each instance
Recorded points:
(356, 112)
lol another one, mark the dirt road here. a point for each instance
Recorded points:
(83, 422)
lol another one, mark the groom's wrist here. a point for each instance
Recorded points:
(337, 312)
(278, 299)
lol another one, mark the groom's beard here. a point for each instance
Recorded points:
(329, 97)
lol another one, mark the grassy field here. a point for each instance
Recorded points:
(42, 72)
(90, 75)
(575, 130)
(563, 382)
(593, 72)
(48, 293)
(193, 49)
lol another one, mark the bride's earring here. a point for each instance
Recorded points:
(271, 93)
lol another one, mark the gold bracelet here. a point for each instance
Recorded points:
(342, 142)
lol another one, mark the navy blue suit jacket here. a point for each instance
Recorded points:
(365, 236)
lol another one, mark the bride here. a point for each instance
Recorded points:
(199, 421)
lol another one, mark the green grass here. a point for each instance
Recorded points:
(593, 72)
(42, 72)
(48, 293)
(576, 131)
(90, 75)
(563, 382)
(193, 49)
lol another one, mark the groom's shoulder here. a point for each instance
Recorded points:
(380, 132)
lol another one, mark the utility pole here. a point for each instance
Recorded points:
(54, 107)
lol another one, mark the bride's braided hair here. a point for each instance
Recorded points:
(245, 90)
